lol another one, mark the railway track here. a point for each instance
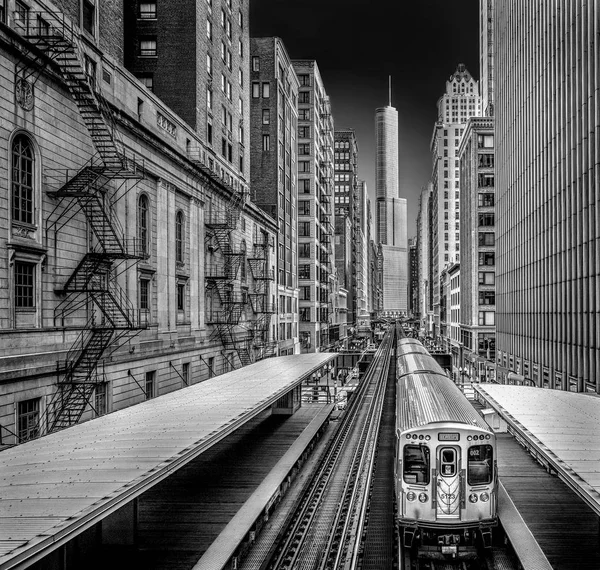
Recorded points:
(325, 531)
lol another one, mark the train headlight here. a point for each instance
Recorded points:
(488, 436)
(411, 496)
(423, 498)
(427, 437)
(407, 436)
(485, 497)
(421, 436)
(469, 438)
(473, 498)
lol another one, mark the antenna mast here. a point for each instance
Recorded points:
(390, 77)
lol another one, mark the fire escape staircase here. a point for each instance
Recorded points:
(223, 278)
(259, 298)
(55, 39)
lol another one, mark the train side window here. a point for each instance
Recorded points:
(416, 464)
(480, 464)
(448, 462)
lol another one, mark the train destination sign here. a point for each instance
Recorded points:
(448, 436)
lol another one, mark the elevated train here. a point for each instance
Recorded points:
(445, 470)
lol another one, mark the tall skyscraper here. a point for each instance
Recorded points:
(547, 180)
(392, 231)
(460, 101)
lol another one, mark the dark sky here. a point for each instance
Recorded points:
(357, 44)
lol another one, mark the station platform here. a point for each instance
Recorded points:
(549, 474)
(57, 487)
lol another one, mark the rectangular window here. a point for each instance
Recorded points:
(305, 293)
(147, 10)
(266, 90)
(101, 399)
(303, 166)
(24, 285)
(266, 116)
(304, 229)
(255, 89)
(209, 30)
(485, 200)
(486, 318)
(487, 298)
(304, 271)
(180, 296)
(266, 143)
(144, 294)
(480, 464)
(486, 239)
(148, 47)
(303, 149)
(416, 464)
(304, 97)
(487, 258)
(487, 278)
(304, 208)
(304, 250)
(88, 17)
(185, 373)
(28, 417)
(305, 314)
(211, 366)
(150, 384)
(486, 220)
(255, 63)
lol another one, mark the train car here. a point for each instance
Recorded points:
(445, 470)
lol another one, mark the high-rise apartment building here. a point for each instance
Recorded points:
(477, 238)
(315, 206)
(392, 231)
(196, 59)
(460, 101)
(347, 207)
(425, 268)
(547, 180)
(273, 171)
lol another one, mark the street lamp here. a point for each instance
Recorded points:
(462, 373)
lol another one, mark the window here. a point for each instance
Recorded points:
(100, 399)
(304, 97)
(486, 180)
(486, 160)
(304, 271)
(480, 462)
(209, 64)
(304, 149)
(305, 293)
(185, 373)
(181, 297)
(487, 258)
(143, 224)
(305, 314)
(303, 166)
(255, 63)
(485, 200)
(148, 47)
(24, 275)
(88, 16)
(144, 296)
(448, 462)
(416, 464)
(255, 89)
(304, 186)
(486, 278)
(304, 114)
(179, 243)
(265, 90)
(485, 141)
(304, 250)
(209, 98)
(486, 239)
(209, 30)
(304, 132)
(486, 318)
(266, 116)
(150, 384)
(304, 229)
(21, 14)
(486, 220)
(266, 143)
(28, 416)
(148, 10)
(487, 298)
(304, 208)
(22, 180)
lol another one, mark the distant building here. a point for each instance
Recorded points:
(413, 282)
(273, 171)
(460, 101)
(392, 230)
(315, 207)
(347, 206)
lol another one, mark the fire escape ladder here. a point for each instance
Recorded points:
(53, 39)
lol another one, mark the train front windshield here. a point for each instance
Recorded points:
(480, 465)
(416, 464)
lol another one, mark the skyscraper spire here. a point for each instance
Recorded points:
(390, 81)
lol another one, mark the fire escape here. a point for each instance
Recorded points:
(92, 287)
(262, 307)
(222, 277)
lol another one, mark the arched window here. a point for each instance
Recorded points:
(22, 180)
(179, 249)
(243, 260)
(144, 223)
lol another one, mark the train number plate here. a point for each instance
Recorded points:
(448, 436)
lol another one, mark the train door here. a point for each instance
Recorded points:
(448, 483)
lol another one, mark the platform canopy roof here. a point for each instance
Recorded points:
(54, 487)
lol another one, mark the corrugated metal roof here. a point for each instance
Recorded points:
(54, 487)
(426, 398)
(563, 425)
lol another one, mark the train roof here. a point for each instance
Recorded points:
(425, 398)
